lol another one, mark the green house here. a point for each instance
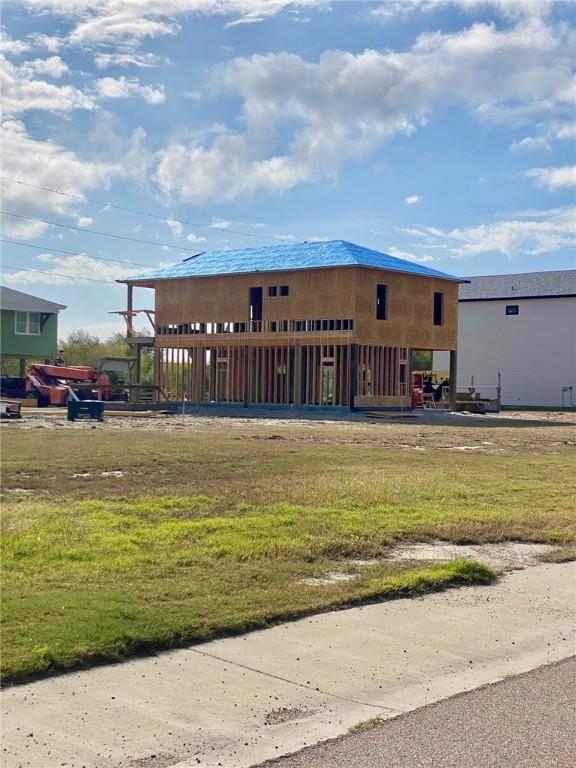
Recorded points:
(29, 328)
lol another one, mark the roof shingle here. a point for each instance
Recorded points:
(25, 302)
(527, 285)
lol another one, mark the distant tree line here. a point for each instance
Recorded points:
(81, 348)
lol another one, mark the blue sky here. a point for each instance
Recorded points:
(441, 131)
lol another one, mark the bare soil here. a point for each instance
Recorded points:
(509, 554)
(526, 431)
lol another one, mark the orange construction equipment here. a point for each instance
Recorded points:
(52, 383)
(418, 388)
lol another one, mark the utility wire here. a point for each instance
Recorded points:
(97, 232)
(134, 210)
(58, 274)
(75, 253)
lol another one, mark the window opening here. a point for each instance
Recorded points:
(381, 302)
(255, 304)
(438, 309)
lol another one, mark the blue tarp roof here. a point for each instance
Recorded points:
(275, 258)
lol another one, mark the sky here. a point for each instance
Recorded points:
(438, 131)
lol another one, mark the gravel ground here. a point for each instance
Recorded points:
(531, 431)
(525, 721)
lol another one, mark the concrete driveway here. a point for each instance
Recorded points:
(239, 701)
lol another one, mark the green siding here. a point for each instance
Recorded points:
(19, 345)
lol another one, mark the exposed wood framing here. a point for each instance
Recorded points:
(313, 374)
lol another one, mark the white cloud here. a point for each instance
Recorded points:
(85, 221)
(68, 323)
(390, 10)
(12, 47)
(347, 105)
(52, 67)
(22, 92)
(126, 87)
(529, 143)
(192, 238)
(132, 59)
(41, 162)
(553, 178)
(566, 131)
(68, 270)
(413, 199)
(530, 233)
(220, 224)
(286, 238)
(114, 22)
(135, 157)
(175, 227)
(50, 43)
(392, 250)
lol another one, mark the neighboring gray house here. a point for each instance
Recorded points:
(524, 327)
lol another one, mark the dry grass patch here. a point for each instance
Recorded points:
(205, 535)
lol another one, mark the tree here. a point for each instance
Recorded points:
(421, 361)
(80, 348)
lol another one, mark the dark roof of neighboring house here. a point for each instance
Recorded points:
(25, 302)
(528, 285)
(277, 258)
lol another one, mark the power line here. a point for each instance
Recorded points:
(75, 253)
(58, 274)
(97, 232)
(85, 199)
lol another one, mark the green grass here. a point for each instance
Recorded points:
(208, 536)
(366, 725)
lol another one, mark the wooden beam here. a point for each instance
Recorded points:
(129, 307)
(298, 376)
(353, 375)
(453, 372)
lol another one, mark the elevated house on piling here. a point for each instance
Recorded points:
(306, 324)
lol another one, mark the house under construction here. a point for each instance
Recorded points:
(309, 324)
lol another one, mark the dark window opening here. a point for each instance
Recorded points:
(512, 309)
(284, 290)
(438, 309)
(255, 304)
(381, 301)
(272, 291)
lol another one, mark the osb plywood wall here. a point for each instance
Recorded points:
(336, 293)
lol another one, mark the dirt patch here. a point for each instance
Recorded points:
(159, 760)
(427, 431)
(286, 714)
(509, 554)
(328, 578)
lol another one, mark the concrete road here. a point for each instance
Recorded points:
(239, 701)
(524, 721)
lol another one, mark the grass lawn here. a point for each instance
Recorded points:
(206, 534)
